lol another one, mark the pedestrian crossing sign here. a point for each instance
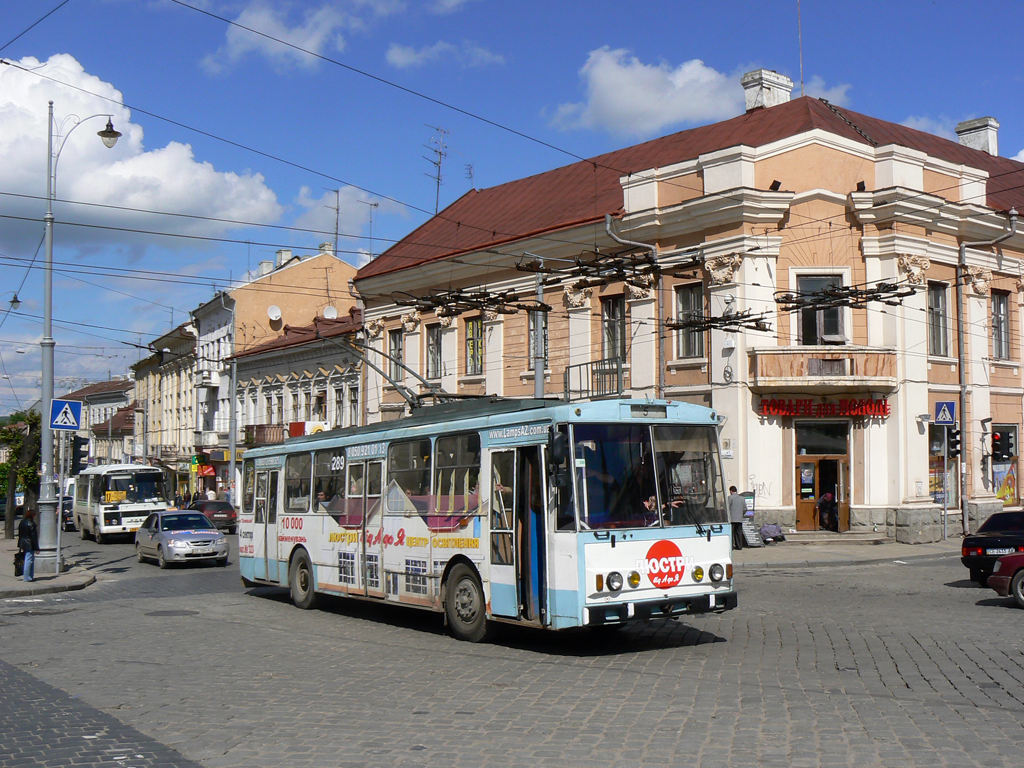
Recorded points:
(65, 414)
(945, 413)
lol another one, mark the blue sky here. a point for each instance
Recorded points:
(585, 77)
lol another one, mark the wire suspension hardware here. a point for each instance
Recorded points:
(844, 296)
(730, 323)
(454, 303)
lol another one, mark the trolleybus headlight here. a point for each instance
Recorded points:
(697, 573)
(614, 581)
(716, 572)
(633, 579)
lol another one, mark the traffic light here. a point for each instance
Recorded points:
(79, 454)
(1011, 442)
(1000, 445)
(952, 442)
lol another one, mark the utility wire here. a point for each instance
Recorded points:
(35, 23)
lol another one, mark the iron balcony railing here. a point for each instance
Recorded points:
(594, 379)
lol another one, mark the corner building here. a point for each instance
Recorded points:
(796, 198)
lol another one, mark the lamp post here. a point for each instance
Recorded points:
(46, 560)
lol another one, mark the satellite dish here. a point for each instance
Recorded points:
(274, 312)
(330, 312)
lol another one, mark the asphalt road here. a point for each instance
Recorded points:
(893, 664)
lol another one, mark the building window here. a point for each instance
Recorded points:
(433, 351)
(1000, 325)
(938, 339)
(819, 325)
(396, 353)
(542, 318)
(353, 405)
(613, 327)
(320, 405)
(475, 346)
(690, 307)
(339, 407)
(270, 409)
(280, 408)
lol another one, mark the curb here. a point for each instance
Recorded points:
(869, 561)
(47, 589)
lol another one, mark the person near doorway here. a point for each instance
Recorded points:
(28, 543)
(827, 512)
(737, 508)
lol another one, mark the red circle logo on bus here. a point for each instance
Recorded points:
(664, 564)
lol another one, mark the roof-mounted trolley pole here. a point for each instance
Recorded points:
(961, 274)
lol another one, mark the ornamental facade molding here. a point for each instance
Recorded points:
(914, 266)
(445, 320)
(980, 279)
(1020, 289)
(411, 321)
(374, 328)
(722, 269)
(577, 298)
(490, 315)
(641, 287)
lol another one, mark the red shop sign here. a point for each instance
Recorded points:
(814, 409)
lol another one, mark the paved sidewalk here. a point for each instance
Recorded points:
(75, 578)
(786, 554)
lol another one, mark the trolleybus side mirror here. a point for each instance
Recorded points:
(558, 448)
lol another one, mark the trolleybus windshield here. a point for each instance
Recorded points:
(633, 475)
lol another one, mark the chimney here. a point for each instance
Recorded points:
(265, 268)
(283, 256)
(981, 133)
(765, 88)
(327, 248)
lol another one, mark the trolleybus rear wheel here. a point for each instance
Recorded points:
(300, 581)
(464, 605)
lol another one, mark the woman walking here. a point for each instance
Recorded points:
(28, 542)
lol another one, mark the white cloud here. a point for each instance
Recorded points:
(447, 6)
(168, 178)
(467, 55)
(837, 94)
(626, 96)
(939, 126)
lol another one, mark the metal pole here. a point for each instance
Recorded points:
(945, 478)
(46, 559)
(538, 338)
(60, 496)
(233, 429)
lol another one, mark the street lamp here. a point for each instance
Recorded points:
(15, 302)
(47, 560)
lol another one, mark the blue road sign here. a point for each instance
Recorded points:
(65, 414)
(945, 413)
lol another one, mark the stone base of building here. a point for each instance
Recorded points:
(979, 511)
(910, 524)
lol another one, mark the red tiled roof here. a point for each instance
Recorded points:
(585, 191)
(294, 336)
(100, 387)
(121, 423)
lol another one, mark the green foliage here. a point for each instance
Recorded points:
(24, 450)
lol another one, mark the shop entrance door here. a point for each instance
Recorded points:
(821, 469)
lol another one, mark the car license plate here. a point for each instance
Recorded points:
(202, 550)
(999, 551)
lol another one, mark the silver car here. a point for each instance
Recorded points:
(176, 536)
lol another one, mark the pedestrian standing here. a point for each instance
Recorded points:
(28, 542)
(737, 508)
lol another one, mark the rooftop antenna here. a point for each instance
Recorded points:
(337, 216)
(373, 204)
(469, 175)
(439, 149)
(800, 45)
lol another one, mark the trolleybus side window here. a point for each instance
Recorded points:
(560, 480)
(248, 486)
(408, 489)
(297, 469)
(457, 474)
(503, 467)
(329, 481)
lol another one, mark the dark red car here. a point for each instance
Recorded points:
(1007, 577)
(1002, 534)
(221, 513)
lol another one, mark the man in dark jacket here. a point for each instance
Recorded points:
(28, 542)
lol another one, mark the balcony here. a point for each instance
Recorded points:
(823, 369)
(265, 434)
(594, 380)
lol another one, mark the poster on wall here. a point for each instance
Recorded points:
(935, 488)
(1004, 480)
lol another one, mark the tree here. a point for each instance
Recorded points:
(21, 435)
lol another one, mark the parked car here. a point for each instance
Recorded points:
(1007, 577)
(1002, 534)
(175, 536)
(67, 513)
(221, 513)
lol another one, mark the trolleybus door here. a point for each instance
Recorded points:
(517, 535)
(265, 526)
(373, 523)
(504, 589)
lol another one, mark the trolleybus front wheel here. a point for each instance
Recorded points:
(464, 605)
(300, 581)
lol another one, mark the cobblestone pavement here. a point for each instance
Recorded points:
(888, 664)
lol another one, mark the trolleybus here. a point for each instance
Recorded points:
(536, 512)
(113, 499)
